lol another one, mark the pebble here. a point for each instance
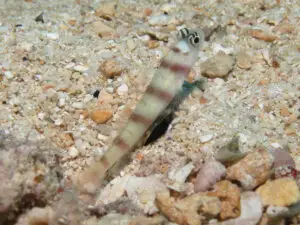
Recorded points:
(243, 60)
(160, 20)
(122, 90)
(206, 138)
(186, 210)
(111, 68)
(254, 169)
(279, 192)
(81, 68)
(216, 47)
(131, 44)
(61, 102)
(284, 165)
(114, 190)
(107, 10)
(284, 28)
(211, 172)
(73, 152)
(261, 35)
(230, 152)
(153, 44)
(78, 105)
(110, 90)
(142, 191)
(8, 75)
(251, 210)
(52, 36)
(229, 194)
(102, 29)
(100, 116)
(218, 66)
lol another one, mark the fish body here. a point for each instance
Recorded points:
(159, 96)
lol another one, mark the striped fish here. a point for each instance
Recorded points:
(164, 86)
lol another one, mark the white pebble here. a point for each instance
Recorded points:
(78, 105)
(218, 47)
(8, 75)
(52, 36)
(61, 102)
(122, 90)
(276, 145)
(41, 116)
(110, 90)
(58, 122)
(206, 138)
(26, 46)
(73, 152)
(81, 68)
(101, 137)
(131, 44)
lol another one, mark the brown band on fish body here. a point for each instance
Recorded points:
(120, 143)
(160, 94)
(104, 161)
(138, 118)
(175, 67)
(176, 49)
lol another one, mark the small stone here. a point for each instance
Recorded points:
(185, 211)
(107, 10)
(110, 68)
(131, 44)
(211, 172)
(52, 36)
(81, 68)
(102, 29)
(40, 18)
(254, 169)
(64, 140)
(206, 138)
(284, 28)
(114, 190)
(279, 192)
(100, 116)
(243, 60)
(251, 210)
(229, 194)
(284, 111)
(142, 191)
(284, 165)
(72, 22)
(61, 102)
(261, 35)
(122, 90)
(78, 105)
(8, 75)
(160, 20)
(153, 44)
(147, 12)
(110, 90)
(73, 152)
(218, 66)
